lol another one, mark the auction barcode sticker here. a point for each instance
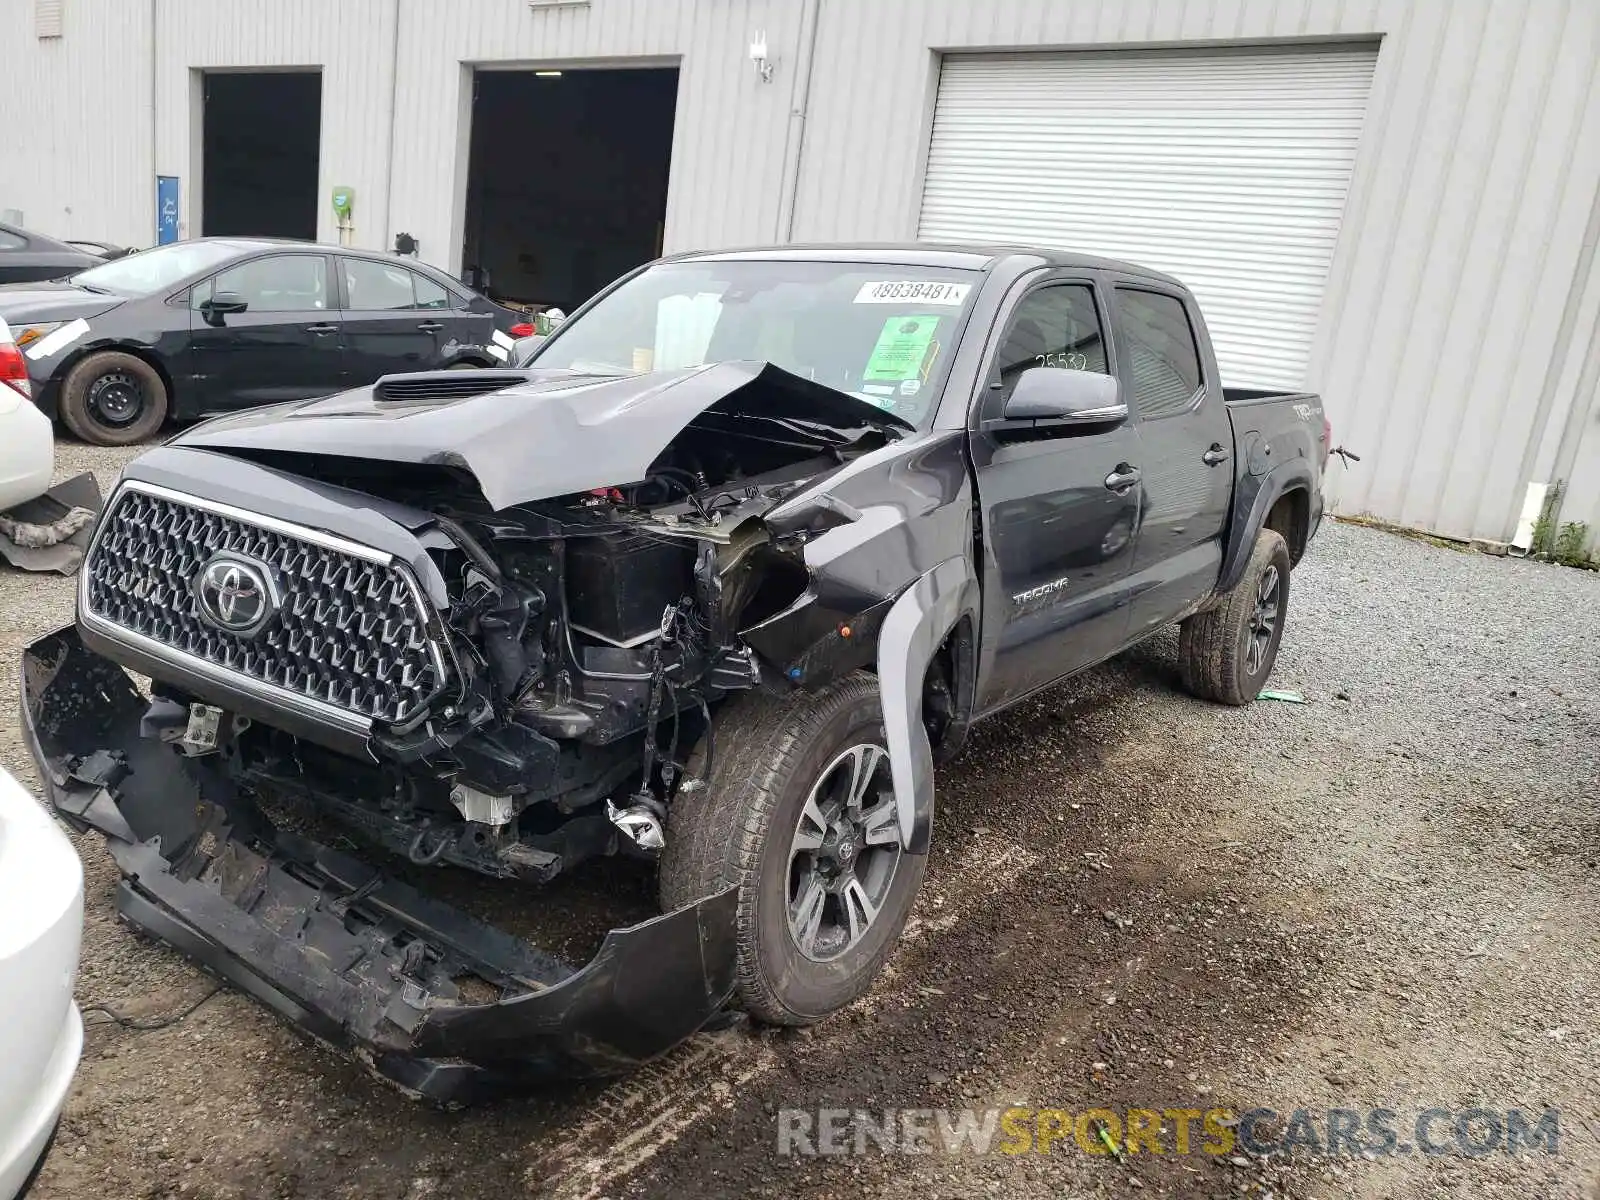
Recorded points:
(916, 291)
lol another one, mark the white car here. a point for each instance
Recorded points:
(41, 1033)
(27, 446)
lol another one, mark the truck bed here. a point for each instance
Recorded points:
(1238, 397)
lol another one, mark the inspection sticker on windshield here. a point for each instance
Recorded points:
(916, 291)
(902, 348)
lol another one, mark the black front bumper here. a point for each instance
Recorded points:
(352, 957)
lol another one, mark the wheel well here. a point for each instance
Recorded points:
(140, 352)
(947, 691)
(1290, 517)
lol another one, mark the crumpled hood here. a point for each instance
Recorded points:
(551, 436)
(32, 303)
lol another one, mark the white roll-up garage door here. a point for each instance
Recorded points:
(1228, 170)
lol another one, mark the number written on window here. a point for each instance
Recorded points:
(1066, 360)
(1056, 327)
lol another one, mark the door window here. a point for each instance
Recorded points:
(377, 286)
(281, 283)
(1056, 327)
(430, 294)
(1162, 354)
(10, 241)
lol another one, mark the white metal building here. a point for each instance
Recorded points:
(1393, 202)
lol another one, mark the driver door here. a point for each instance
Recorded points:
(285, 344)
(1061, 504)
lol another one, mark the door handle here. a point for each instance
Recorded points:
(430, 326)
(321, 328)
(1123, 478)
(1214, 455)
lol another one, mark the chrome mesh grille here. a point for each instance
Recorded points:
(348, 632)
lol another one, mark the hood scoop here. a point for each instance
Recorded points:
(423, 386)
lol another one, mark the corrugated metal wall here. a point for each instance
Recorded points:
(1459, 256)
(1456, 343)
(75, 121)
(1575, 383)
(1460, 251)
(728, 146)
(414, 92)
(349, 41)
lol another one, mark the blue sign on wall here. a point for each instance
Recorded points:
(166, 209)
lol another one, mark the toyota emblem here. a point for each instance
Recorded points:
(235, 594)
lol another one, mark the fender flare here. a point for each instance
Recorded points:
(1247, 522)
(915, 627)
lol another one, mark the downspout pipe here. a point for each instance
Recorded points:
(799, 106)
(153, 230)
(394, 118)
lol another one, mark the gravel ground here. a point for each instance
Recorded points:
(1385, 897)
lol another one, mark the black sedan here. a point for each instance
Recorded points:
(25, 256)
(222, 323)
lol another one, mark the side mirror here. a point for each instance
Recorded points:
(222, 303)
(522, 350)
(1085, 398)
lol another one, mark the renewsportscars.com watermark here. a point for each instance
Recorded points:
(1352, 1132)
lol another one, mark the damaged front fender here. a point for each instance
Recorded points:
(901, 513)
(447, 1007)
(915, 628)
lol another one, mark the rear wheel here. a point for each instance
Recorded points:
(1226, 653)
(113, 399)
(799, 813)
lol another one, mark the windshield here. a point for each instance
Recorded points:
(884, 334)
(155, 270)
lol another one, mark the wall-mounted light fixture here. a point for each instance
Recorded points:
(758, 56)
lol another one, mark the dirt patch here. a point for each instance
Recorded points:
(1098, 975)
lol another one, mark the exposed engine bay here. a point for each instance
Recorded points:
(586, 638)
(491, 620)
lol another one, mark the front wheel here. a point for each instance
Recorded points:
(113, 399)
(1226, 653)
(799, 813)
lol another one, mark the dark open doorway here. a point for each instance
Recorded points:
(262, 133)
(566, 180)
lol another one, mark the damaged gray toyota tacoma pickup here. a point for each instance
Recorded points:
(715, 579)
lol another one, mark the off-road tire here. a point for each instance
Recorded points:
(770, 750)
(78, 415)
(1213, 645)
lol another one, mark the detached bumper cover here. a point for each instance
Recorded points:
(354, 958)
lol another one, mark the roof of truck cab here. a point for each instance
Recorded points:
(977, 257)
